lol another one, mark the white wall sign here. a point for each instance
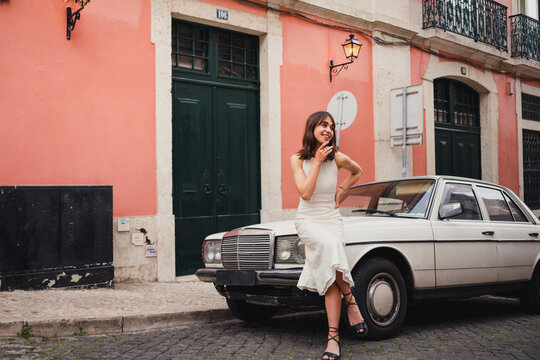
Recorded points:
(137, 239)
(343, 107)
(415, 116)
(151, 251)
(123, 224)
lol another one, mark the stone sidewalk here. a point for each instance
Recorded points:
(126, 308)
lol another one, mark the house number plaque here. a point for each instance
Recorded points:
(222, 14)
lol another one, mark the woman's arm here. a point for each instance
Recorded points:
(306, 184)
(344, 162)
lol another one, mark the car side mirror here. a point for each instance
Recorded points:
(450, 210)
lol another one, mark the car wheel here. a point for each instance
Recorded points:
(381, 296)
(530, 298)
(250, 312)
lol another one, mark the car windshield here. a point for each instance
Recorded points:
(404, 198)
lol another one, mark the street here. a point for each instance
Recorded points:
(479, 328)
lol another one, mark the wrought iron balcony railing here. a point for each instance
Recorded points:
(525, 37)
(481, 20)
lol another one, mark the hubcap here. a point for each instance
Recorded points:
(383, 299)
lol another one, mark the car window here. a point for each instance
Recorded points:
(496, 205)
(516, 211)
(407, 198)
(463, 194)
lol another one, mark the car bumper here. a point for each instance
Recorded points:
(264, 287)
(250, 277)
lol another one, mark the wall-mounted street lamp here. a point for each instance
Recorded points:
(73, 17)
(351, 47)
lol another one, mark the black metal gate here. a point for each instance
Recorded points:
(457, 129)
(55, 236)
(531, 168)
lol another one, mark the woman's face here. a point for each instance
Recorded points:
(324, 131)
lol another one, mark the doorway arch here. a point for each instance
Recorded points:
(483, 83)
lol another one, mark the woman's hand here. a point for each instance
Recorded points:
(322, 152)
(339, 192)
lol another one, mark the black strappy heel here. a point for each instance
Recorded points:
(332, 356)
(356, 327)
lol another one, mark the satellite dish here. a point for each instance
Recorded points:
(343, 107)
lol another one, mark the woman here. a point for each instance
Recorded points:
(319, 224)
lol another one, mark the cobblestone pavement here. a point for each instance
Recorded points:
(480, 328)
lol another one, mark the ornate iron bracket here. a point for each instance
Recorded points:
(73, 17)
(336, 69)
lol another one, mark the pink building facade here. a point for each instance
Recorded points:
(117, 103)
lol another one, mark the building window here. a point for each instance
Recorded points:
(214, 54)
(456, 103)
(530, 107)
(442, 98)
(238, 56)
(189, 47)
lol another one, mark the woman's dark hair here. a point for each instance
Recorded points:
(309, 142)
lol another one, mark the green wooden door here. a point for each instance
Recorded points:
(457, 153)
(193, 198)
(216, 167)
(236, 158)
(457, 129)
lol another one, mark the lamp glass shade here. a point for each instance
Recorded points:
(351, 47)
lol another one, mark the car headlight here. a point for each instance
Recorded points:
(283, 250)
(212, 251)
(290, 250)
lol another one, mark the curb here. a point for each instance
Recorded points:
(11, 328)
(114, 325)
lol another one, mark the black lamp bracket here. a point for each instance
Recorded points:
(336, 69)
(72, 17)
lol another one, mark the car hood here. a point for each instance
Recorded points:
(361, 226)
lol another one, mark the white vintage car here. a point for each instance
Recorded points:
(407, 240)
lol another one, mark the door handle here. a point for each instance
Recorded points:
(488, 232)
(534, 234)
(221, 189)
(207, 189)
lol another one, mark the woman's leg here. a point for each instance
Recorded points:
(332, 302)
(353, 312)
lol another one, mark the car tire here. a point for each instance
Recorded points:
(381, 296)
(530, 298)
(250, 312)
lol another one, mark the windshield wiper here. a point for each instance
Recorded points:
(372, 211)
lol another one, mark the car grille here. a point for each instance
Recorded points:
(246, 249)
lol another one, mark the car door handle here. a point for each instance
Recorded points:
(488, 232)
(533, 234)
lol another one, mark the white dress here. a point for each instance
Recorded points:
(320, 226)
